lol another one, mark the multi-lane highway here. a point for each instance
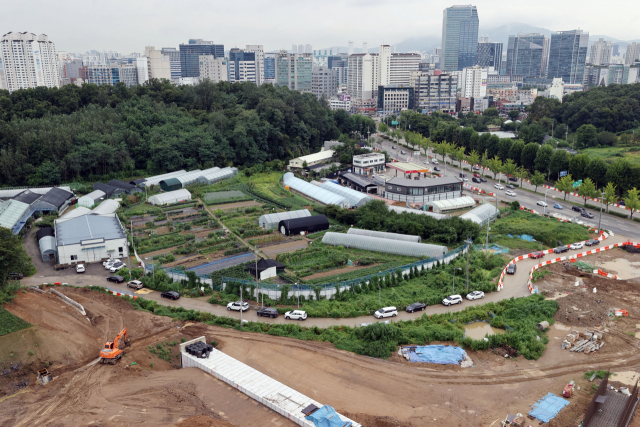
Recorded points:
(528, 199)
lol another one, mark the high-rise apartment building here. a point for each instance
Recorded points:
(242, 66)
(339, 63)
(159, 65)
(568, 55)
(604, 75)
(190, 55)
(474, 82)
(527, 55)
(143, 69)
(434, 91)
(324, 82)
(601, 52)
(490, 54)
(633, 54)
(174, 61)
(214, 69)
(294, 70)
(269, 67)
(459, 38)
(258, 50)
(615, 49)
(29, 61)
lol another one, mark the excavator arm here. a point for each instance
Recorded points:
(111, 352)
(122, 334)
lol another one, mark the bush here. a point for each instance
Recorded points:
(620, 215)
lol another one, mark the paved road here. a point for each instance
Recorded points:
(526, 198)
(514, 286)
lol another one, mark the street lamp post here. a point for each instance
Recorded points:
(545, 201)
(600, 219)
(454, 278)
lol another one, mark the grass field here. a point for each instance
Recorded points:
(545, 230)
(10, 323)
(613, 153)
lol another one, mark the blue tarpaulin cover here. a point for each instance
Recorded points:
(548, 407)
(443, 355)
(327, 417)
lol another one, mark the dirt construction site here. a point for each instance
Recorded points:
(148, 387)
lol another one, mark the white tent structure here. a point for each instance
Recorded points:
(399, 210)
(214, 175)
(155, 180)
(271, 221)
(313, 192)
(91, 199)
(356, 198)
(481, 214)
(376, 244)
(385, 235)
(107, 207)
(170, 197)
(447, 205)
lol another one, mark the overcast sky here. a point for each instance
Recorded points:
(128, 26)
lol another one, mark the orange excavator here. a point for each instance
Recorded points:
(111, 351)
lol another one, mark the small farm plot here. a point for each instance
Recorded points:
(223, 197)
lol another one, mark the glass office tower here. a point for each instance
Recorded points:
(526, 55)
(459, 38)
(189, 55)
(568, 55)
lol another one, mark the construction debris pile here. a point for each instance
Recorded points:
(199, 349)
(586, 342)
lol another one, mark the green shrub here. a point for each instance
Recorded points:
(619, 214)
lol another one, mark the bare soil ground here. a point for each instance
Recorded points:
(335, 271)
(273, 250)
(375, 392)
(234, 205)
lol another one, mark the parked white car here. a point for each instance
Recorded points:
(499, 186)
(296, 315)
(576, 245)
(452, 299)
(475, 295)
(109, 264)
(426, 162)
(510, 193)
(386, 312)
(237, 306)
(117, 266)
(80, 268)
(541, 203)
(435, 162)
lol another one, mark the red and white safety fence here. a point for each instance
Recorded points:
(609, 275)
(121, 294)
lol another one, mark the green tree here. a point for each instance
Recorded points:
(528, 158)
(537, 179)
(485, 160)
(382, 127)
(587, 190)
(509, 168)
(597, 170)
(513, 115)
(474, 157)
(610, 195)
(618, 173)
(522, 173)
(459, 153)
(515, 152)
(495, 166)
(632, 201)
(13, 257)
(559, 162)
(565, 184)
(587, 136)
(504, 147)
(491, 112)
(578, 166)
(543, 158)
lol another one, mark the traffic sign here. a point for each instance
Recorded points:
(394, 123)
(577, 184)
(563, 173)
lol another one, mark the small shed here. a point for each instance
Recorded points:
(263, 264)
(309, 224)
(47, 242)
(91, 199)
(171, 184)
(271, 221)
(171, 197)
(109, 190)
(127, 187)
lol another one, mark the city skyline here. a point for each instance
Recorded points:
(376, 22)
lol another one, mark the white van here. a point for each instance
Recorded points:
(386, 312)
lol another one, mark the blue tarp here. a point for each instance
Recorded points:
(523, 237)
(443, 355)
(548, 407)
(327, 417)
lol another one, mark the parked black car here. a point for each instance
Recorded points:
(511, 187)
(416, 306)
(170, 294)
(592, 242)
(560, 249)
(117, 279)
(15, 276)
(474, 179)
(587, 214)
(436, 169)
(577, 208)
(513, 178)
(483, 179)
(511, 269)
(268, 312)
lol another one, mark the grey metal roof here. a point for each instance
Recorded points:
(425, 182)
(56, 197)
(88, 227)
(357, 179)
(27, 197)
(385, 235)
(105, 188)
(89, 200)
(47, 244)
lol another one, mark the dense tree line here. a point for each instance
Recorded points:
(50, 135)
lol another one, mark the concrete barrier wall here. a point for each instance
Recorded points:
(69, 301)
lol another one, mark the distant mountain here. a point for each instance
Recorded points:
(502, 33)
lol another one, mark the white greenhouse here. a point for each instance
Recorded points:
(271, 221)
(376, 244)
(384, 235)
(170, 197)
(91, 199)
(317, 194)
(79, 211)
(356, 198)
(481, 214)
(106, 207)
(447, 205)
(155, 180)
(214, 175)
(399, 210)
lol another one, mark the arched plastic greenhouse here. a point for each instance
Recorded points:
(481, 214)
(447, 205)
(313, 192)
(384, 235)
(356, 198)
(399, 210)
(180, 181)
(271, 221)
(171, 197)
(216, 174)
(376, 244)
(107, 207)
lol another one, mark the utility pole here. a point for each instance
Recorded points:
(257, 276)
(241, 304)
(487, 241)
(468, 254)
(600, 219)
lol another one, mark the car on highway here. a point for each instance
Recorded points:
(170, 294)
(483, 179)
(296, 315)
(237, 306)
(541, 203)
(80, 268)
(135, 284)
(511, 186)
(622, 203)
(268, 312)
(536, 255)
(477, 175)
(476, 180)
(513, 178)
(116, 279)
(117, 266)
(436, 169)
(510, 193)
(452, 299)
(475, 295)
(592, 242)
(560, 249)
(386, 312)
(402, 152)
(499, 186)
(476, 168)
(465, 179)
(416, 306)
(435, 161)
(577, 208)
(511, 268)
(558, 206)
(426, 162)
(576, 245)
(393, 147)
(586, 214)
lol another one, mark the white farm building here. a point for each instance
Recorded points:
(90, 238)
(170, 197)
